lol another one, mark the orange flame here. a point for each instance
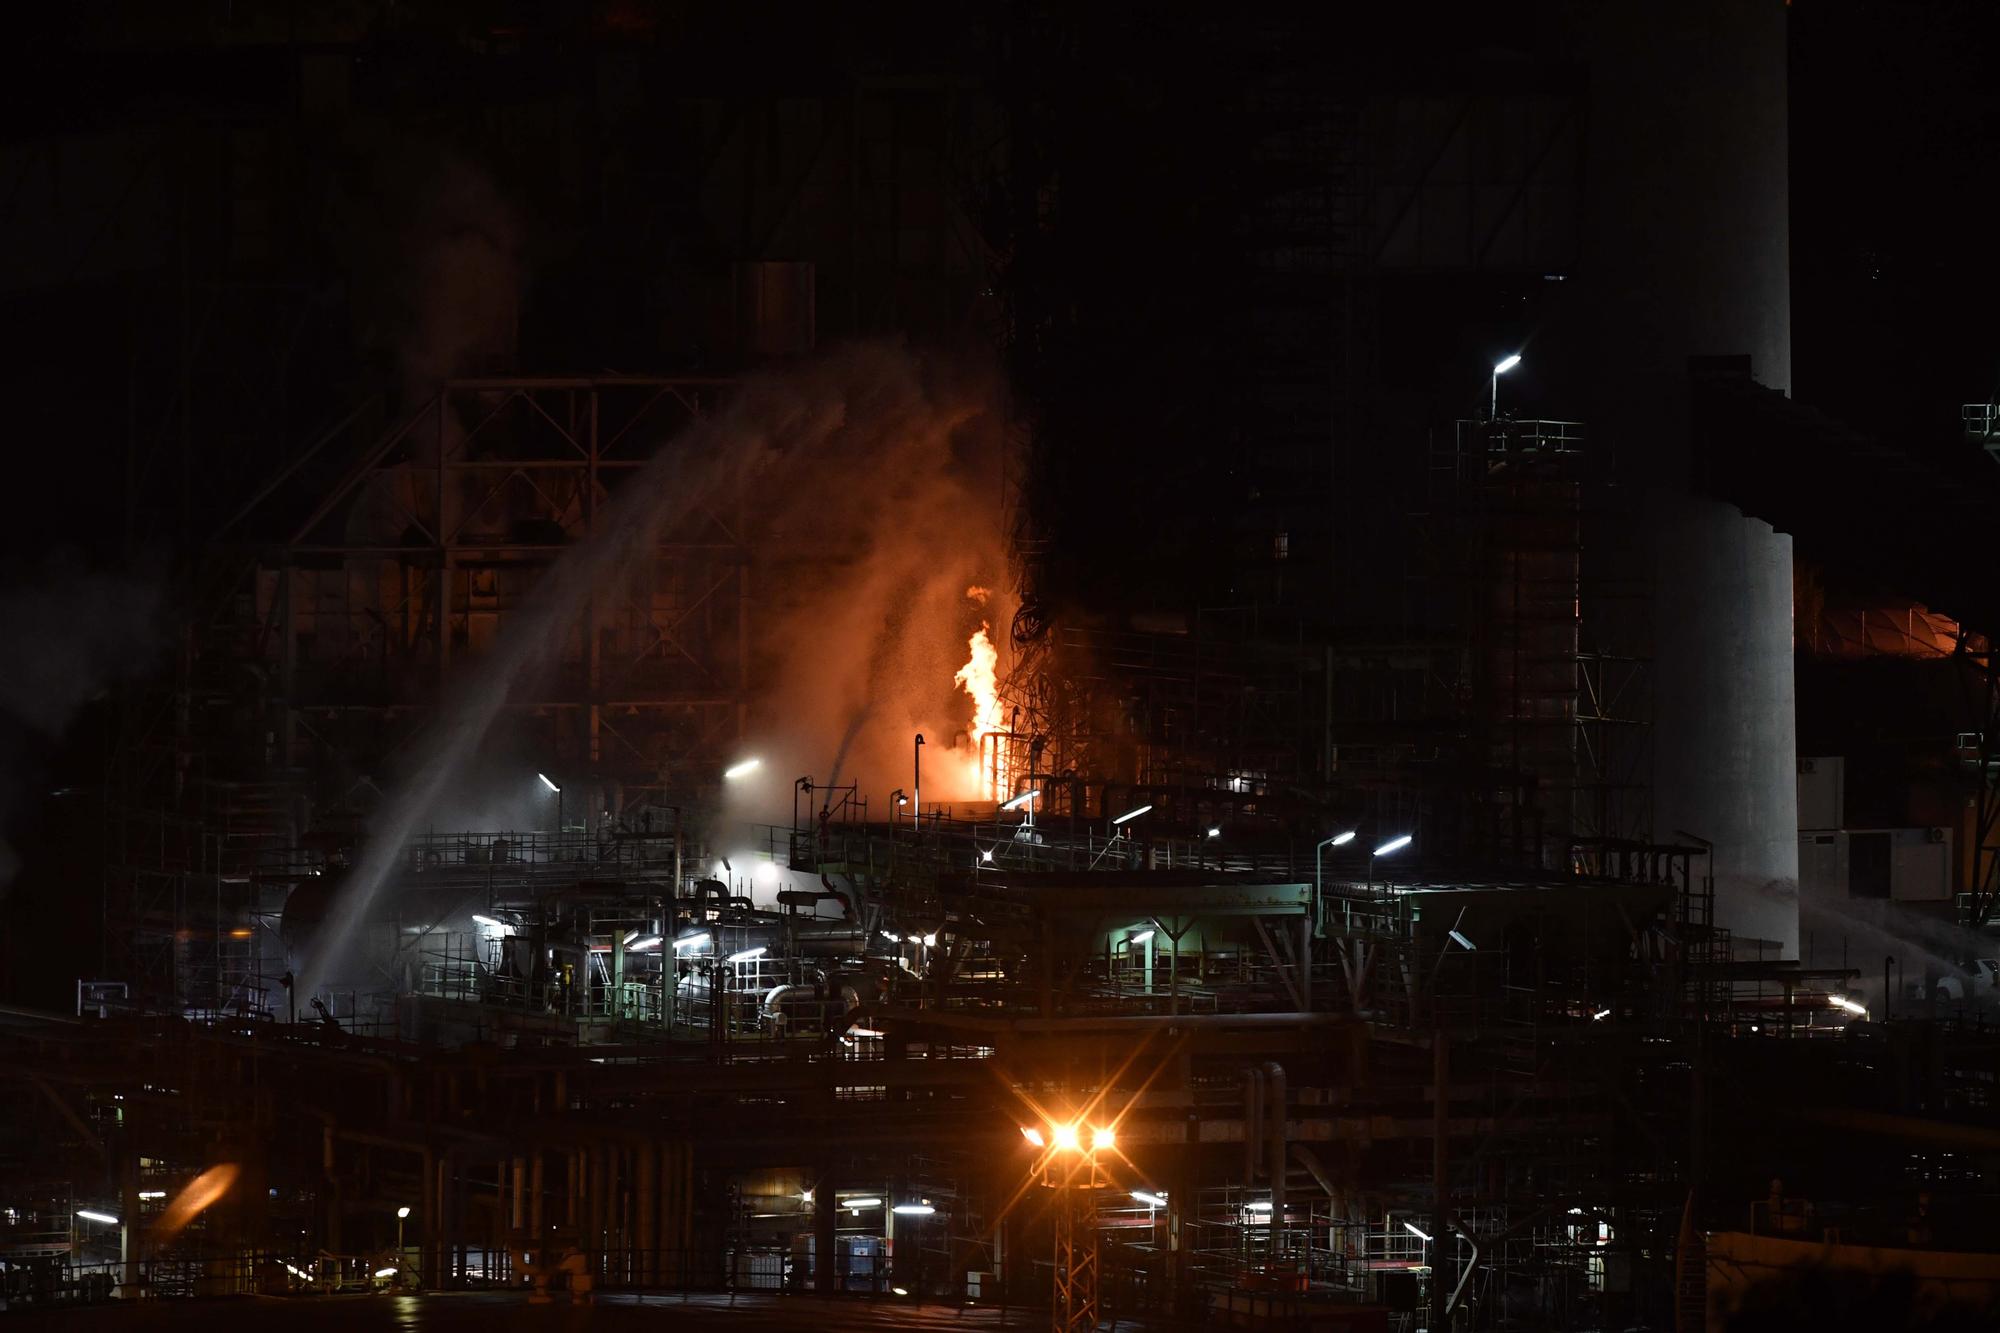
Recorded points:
(980, 678)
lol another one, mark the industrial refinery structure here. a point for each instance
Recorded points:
(1355, 881)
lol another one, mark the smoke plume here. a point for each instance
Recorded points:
(435, 250)
(872, 482)
(877, 541)
(70, 633)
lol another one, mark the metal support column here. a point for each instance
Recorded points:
(1074, 1309)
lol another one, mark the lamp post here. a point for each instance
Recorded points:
(1143, 939)
(1025, 801)
(1500, 367)
(804, 784)
(1075, 1266)
(1118, 832)
(1337, 840)
(401, 1214)
(558, 794)
(1389, 848)
(1118, 824)
(917, 783)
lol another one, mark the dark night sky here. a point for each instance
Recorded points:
(1895, 187)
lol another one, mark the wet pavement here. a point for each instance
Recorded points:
(453, 1312)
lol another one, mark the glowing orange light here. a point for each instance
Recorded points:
(1066, 1138)
(1034, 1136)
(1103, 1138)
(980, 679)
(189, 1204)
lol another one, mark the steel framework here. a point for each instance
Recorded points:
(1074, 1305)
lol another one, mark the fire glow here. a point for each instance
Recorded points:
(980, 679)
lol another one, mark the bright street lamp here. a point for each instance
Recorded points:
(742, 769)
(1337, 840)
(1130, 815)
(558, 795)
(1389, 848)
(401, 1214)
(1500, 368)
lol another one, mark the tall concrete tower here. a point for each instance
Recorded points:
(1685, 255)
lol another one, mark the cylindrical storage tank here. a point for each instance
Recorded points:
(1685, 254)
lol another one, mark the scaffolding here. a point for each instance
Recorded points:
(1527, 540)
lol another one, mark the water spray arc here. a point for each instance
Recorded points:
(863, 417)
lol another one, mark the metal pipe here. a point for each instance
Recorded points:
(1253, 1122)
(1274, 1101)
